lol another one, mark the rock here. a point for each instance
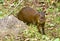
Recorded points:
(11, 25)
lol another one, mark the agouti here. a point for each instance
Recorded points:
(29, 15)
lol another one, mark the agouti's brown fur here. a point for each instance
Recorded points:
(29, 15)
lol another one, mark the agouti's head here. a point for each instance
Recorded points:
(40, 17)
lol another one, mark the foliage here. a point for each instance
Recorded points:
(52, 26)
(1, 1)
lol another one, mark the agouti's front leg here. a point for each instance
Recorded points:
(42, 26)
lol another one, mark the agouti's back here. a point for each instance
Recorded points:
(27, 14)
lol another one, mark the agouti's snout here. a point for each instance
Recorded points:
(30, 15)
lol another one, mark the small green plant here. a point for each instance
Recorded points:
(1, 1)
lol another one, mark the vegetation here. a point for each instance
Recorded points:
(52, 25)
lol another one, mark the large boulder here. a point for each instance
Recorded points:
(10, 25)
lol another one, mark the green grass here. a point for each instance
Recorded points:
(32, 33)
